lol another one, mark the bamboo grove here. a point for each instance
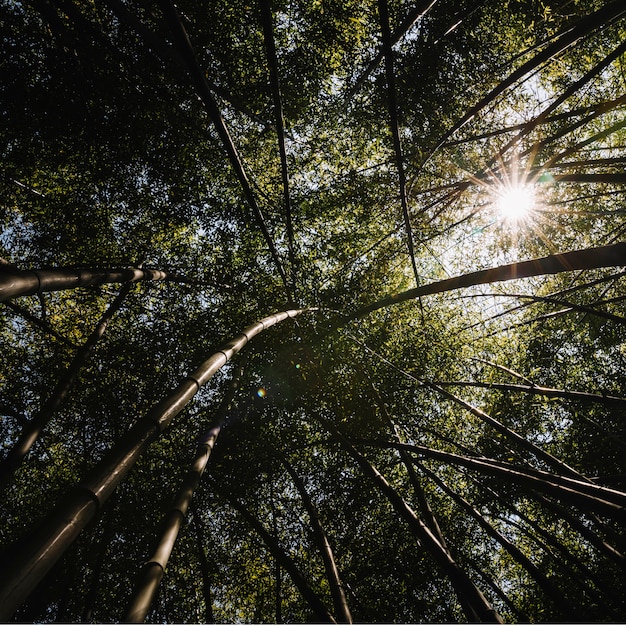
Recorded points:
(313, 311)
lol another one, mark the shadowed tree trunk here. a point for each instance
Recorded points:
(29, 282)
(209, 618)
(587, 496)
(546, 585)
(591, 258)
(342, 612)
(470, 597)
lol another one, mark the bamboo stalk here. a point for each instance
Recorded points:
(152, 572)
(309, 595)
(475, 605)
(29, 282)
(35, 555)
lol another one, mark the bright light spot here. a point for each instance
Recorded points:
(261, 393)
(515, 203)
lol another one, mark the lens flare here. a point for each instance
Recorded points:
(515, 203)
(261, 392)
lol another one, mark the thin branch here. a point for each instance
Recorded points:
(383, 14)
(270, 47)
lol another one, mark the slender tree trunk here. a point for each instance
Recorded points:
(29, 282)
(521, 616)
(587, 496)
(315, 603)
(209, 618)
(383, 14)
(201, 85)
(35, 555)
(535, 390)
(604, 16)
(272, 59)
(342, 612)
(38, 322)
(153, 570)
(31, 432)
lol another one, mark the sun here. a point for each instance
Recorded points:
(514, 203)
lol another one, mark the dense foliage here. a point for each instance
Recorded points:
(325, 155)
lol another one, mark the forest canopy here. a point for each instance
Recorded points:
(313, 310)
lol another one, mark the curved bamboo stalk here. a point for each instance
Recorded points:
(34, 556)
(153, 570)
(589, 258)
(15, 283)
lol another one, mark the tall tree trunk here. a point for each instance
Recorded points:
(209, 618)
(587, 496)
(342, 612)
(590, 258)
(201, 85)
(152, 572)
(272, 59)
(394, 122)
(548, 392)
(35, 555)
(31, 432)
